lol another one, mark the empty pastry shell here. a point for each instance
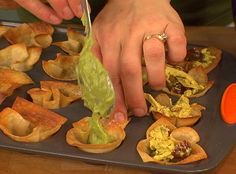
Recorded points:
(10, 80)
(19, 57)
(28, 122)
(55, 94)
(62, 68)
(74, 44)
(37, 34)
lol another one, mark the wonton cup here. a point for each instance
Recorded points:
(195, 81)
(19, 57)
(3, 29)
(28, 122)
(193, 110)
(54, 94)
(74, 44)
(10, 80)
(214, 54)
(177, 134)
(62, 68)
(78, 136)
(217, 53)
(37, 34)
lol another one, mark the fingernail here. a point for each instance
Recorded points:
(54, 19)
(157, 87)
(139, 112)
(119, 116)
(67, 13)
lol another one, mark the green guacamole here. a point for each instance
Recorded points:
(97, 90)
(98, 134)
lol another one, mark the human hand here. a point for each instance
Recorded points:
(56, 12)
(119, 30)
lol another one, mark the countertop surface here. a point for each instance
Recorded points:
(12, 162)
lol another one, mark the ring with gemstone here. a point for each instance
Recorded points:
(160, 36)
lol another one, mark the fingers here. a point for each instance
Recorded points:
(62, 8)
(110, 52)
(131, 75)
(120, 110)
(177, 43)
(154, 56)
(40, 10)
(97, 50)
(76, 7)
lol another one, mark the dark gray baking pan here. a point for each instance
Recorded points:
(217, 137)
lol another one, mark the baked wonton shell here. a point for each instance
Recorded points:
(28, 122)
(3, 29)
(19, 57)
(183, 133)
(37, 34)
(218, 55)
(74, 44)
(62, 68)
(179, 122)
(203, 92)
(213, 52)
(55, 94)
(200, 76)
(10, 80)
(78, 135)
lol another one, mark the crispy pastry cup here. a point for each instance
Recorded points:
(179, 134)
(10, 80)
(62, 68)
(3, 29)
(218, 55)
(178, 122)
(28, 122)
(203, 92)
(78, 136)
(37, 34)
(18, 57)
(55, 94)
(214, 52)
(200, 76)
(194, 116)
(74, 44)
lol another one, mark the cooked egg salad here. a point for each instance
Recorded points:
(161, 145)
(176, 77)
(207, 59)
(181, 109)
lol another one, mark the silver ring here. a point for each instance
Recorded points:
(160, 36)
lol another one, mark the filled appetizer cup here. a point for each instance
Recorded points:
(168, 145)
(96, 135)
(182, 113)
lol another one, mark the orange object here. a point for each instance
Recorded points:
(228, 104)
